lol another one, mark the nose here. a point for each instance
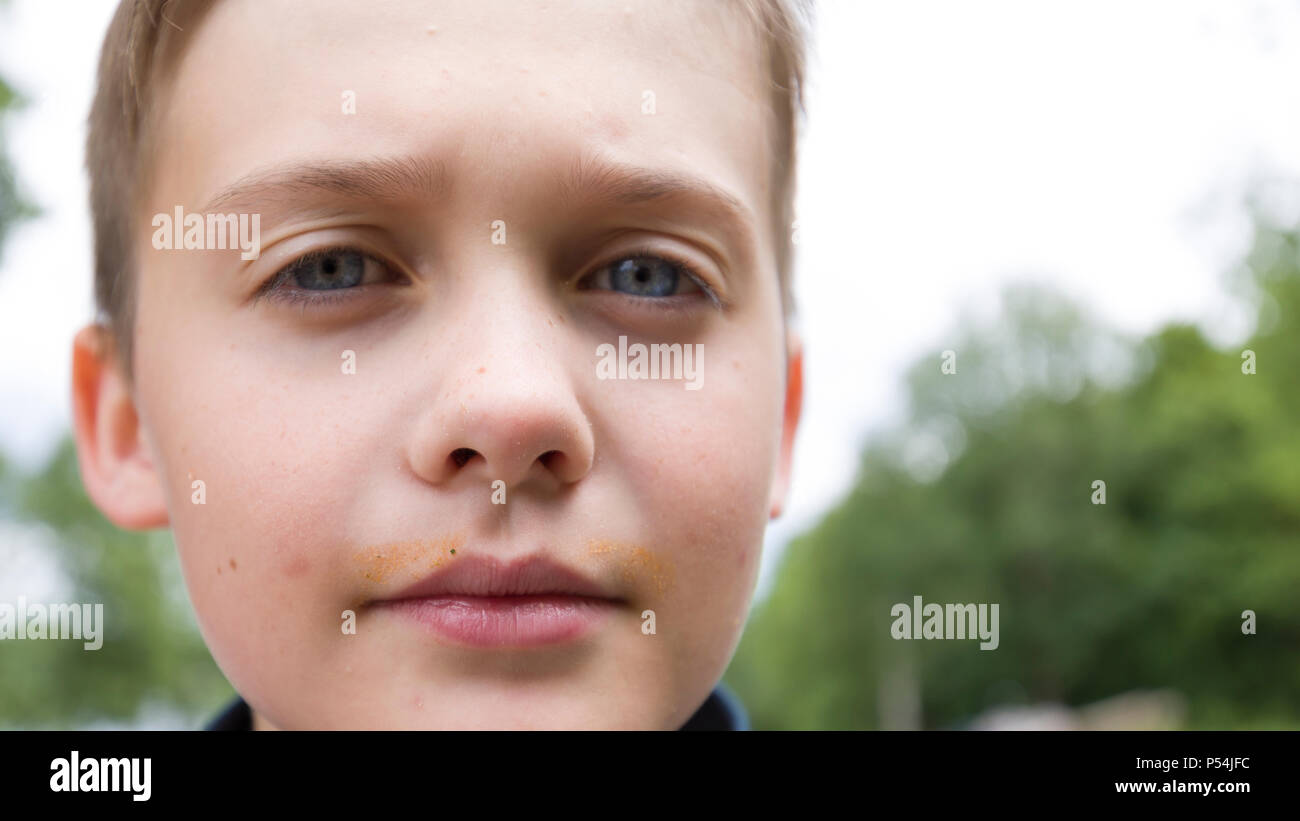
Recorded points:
(510, 414)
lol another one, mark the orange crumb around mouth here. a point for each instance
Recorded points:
(381, 562)
(634, 560)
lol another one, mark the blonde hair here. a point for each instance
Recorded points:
(144, 39)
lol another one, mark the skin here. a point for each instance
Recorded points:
(325, 490)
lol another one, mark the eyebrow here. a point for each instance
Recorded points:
(379, 179)
(604, 181)
(591, 179)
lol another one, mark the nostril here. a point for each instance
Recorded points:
(462, 455)
(548, 458)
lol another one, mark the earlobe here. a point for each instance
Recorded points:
(116, 468)
(789, 422)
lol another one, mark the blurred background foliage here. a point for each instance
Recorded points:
(13, 207)
(985, 495)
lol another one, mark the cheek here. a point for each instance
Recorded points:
(701, 467)
(273, 464)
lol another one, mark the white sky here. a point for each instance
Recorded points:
(1100, 145)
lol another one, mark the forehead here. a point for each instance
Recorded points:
(499, 93)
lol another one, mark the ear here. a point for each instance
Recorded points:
(116, 467)
(790, 419)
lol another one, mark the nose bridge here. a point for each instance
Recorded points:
(509, 341)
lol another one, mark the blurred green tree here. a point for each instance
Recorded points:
(13, 206)
(985, 495)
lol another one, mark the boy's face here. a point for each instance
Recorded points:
(393, 138)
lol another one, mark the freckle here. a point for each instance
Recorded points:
(482, 370)
(735, 363)
(218, 570)
(232, 564)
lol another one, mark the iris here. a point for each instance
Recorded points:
(644, 276)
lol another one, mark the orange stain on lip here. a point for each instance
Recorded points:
(381, 562)
(634, 560)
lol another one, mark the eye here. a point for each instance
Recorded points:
(325, 274)
(645, 275)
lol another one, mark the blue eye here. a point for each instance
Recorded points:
(328, 270)
(327, 275)
(645, 275)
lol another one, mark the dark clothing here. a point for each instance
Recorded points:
(720, 711)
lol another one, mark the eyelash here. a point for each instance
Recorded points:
(275, 289)
(683, 267)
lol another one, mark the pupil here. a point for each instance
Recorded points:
(329, 266)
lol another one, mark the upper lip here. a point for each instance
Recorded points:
(486, 576)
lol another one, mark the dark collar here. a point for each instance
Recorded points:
(720, 711)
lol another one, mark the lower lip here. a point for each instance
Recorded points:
(506, 621)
